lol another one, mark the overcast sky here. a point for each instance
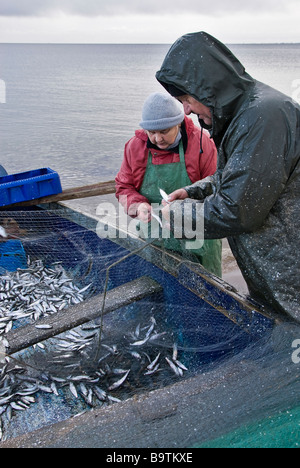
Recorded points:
(148, 21)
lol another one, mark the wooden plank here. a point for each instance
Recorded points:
(86, 191)
(60, 322)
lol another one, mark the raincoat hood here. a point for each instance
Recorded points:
(203, 67)
(253, 199)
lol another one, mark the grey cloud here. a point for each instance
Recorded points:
(126, 7)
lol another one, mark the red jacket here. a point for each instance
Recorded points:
(130, 178)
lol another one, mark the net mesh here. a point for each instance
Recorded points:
(247, 371)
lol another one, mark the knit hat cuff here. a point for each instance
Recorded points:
(162, 124)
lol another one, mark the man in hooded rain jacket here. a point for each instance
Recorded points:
(254, 197)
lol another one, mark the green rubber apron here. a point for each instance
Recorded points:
(171, 177)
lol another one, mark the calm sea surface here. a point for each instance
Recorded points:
(73, 107)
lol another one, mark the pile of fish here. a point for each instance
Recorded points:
(88, 365)
(36, 292)
(128, 361)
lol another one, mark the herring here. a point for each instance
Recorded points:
(164, 196)
(43, 327)
(93, 384)
(119, 382)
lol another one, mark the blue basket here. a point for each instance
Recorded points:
(12, 256)
(17, 188)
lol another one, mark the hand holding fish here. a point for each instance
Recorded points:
(144, 212)
(180, 194)
(164, 196)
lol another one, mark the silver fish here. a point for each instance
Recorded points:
(141, 342)
(180, 365)
(174, 368)
(155, 216)
(58, 379)
(100, 394)
(74, 349)
(73, 390)
(45, 389)
(153, 363)
(135, 355)
(37, 291)
(112, 349)
(54, 389)
(152, 371)
(113, 399)
(16, 406)
(164, 195)
(119, 382)
(85, 289)
(175, 352)
(43, 327)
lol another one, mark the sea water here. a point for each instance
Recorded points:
(73, 107)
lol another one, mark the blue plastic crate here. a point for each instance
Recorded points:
(17, 188)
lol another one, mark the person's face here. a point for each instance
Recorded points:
(192, 106)
(163, 138)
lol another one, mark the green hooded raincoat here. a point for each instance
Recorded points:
(254, 197)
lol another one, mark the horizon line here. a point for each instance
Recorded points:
(142, 43)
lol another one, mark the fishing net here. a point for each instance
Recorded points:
(187, 364)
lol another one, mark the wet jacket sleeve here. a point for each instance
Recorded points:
(126, 189)
(256, 168)
(202, 189)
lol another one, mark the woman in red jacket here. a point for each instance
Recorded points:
(169, 153)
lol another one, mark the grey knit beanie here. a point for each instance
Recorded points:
(161, 111)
